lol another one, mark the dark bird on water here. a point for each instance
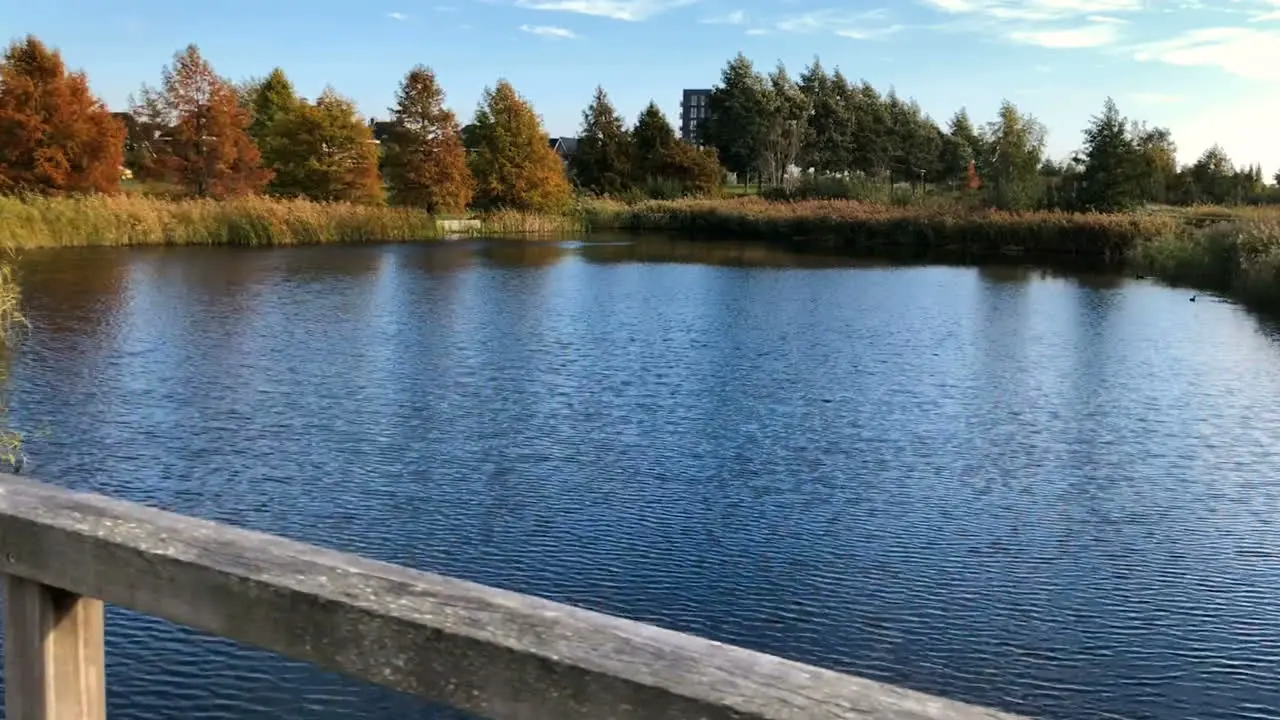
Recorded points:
(1193, 298)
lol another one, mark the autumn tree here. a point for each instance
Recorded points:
(424, 159)
(1157, 161)
(55, 136)
(204, 145)
(603, 161)
(330, 154)
(663, 161)
(1013, 147)
(513, 163)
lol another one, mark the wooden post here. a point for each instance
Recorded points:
(54, 662)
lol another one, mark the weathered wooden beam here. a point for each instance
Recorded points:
(495, 653)
(53, 654)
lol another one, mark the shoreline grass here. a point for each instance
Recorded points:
(1232, 251)
(857, 227)
(122, 220)
(131, 220)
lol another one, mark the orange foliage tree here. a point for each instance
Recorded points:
(55, 136)
(204, 145)
(513, 163)
(972, 181)
(425, 161)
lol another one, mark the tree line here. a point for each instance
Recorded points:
(211, 137)
(766, 126)
(207, 136)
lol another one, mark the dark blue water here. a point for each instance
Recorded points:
(1058, 495)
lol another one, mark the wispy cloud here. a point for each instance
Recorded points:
(737, 17)
(1085, 36)
(630, 10)
(1035, 10)
(549, 31)
(397, 16)
(1046, 23)
(1155, 98)
(864, 25)
(1247, 52)
(870, 33)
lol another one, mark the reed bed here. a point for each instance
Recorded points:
(1239, 258)
(864, 227)
(515, 222)
(33, 222)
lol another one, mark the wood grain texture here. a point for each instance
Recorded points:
(54, 658)
(492, 652)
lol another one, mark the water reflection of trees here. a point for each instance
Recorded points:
(1085, 275)
(74, 291)
(658, 248)
(522, 253)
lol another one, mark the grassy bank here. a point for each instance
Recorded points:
(859, 227)
(256, 221)
(1232, 251)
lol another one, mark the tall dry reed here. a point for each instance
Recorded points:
(857, 226)
(137, 220)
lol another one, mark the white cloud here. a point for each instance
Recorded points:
(1034, 9)
(1155, 98)
(549, 31)
(863, 25)
(1085, 36)
(397, 16)
(737, 17)
(870, 33)
(1046, 23)
(1246, 52)
(630, 10)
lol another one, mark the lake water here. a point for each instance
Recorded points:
(1054, 494)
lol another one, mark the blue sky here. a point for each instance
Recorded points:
(1208, 69)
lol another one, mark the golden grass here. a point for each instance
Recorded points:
(515, 222)
(1234, 251)
(1239, 256)
(12, 321)
(857, 226)
(135, 219)
(139, 220)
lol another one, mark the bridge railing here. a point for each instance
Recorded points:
(495, 653)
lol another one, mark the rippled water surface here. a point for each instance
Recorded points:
(1053, 494)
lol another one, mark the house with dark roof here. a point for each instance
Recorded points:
(381, 129)
(565, 147)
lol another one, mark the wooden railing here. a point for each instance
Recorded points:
(495, 653)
